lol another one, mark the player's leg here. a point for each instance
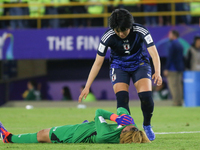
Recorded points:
(120, 80)
(174, 83)
(144, 89)
(122, 95)
(41, 136)
(180, 88)
(142, 82)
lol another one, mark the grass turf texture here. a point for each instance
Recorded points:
(165, 119)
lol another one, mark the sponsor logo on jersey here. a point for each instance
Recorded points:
(126, 46)
(114, 77)
(125, 41)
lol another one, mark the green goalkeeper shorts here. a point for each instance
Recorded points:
(62, 134)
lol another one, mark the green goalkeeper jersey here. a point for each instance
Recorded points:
(97, 131)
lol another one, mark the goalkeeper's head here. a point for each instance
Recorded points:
(131, 134)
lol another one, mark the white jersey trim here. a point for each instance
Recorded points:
(140, 29)
(107, 35)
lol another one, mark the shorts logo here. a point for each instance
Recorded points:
(149, 75)
(114, 77)
(126, 46)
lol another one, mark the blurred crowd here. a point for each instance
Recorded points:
(37, 11)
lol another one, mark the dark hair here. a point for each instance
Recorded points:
(33, 83)
(67, 92)
(196, 37)
(121, 19)
(176, 33)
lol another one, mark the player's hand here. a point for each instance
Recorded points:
(83, 94)
(124, 120)
(157, 79)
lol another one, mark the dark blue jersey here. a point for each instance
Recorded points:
(127, 54)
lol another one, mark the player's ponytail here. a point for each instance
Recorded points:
(134, 137)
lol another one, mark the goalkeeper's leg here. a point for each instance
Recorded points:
(39, 137)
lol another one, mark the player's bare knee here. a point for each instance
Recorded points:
(40, 135)
(43, 136)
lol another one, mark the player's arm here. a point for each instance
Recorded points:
(148, 40)
(101, 52)
(102, 128)
(92, 75)
(122, 119)
(101, 125)
(156, 62)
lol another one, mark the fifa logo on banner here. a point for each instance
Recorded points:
(9, 50)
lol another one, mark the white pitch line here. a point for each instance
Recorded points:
(177, 132)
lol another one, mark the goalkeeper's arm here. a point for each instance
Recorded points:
(121, 120)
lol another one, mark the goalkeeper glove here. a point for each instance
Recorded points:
(122, 119)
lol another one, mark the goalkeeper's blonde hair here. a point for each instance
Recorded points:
(134, 137)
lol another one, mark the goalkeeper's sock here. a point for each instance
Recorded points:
(23, 138)
(147, 106)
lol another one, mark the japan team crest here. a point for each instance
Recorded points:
(126, 47)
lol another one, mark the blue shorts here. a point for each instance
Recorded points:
(118, 75)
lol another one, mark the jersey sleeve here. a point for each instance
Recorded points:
(145, 35)
(104, 43)
(105, 133)
(101, 125)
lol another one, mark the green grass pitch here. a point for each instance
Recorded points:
(165, 119)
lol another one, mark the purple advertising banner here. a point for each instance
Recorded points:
(75, 43)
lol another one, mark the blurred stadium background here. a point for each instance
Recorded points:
(54, 42)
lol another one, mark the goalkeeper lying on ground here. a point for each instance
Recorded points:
(98, 131)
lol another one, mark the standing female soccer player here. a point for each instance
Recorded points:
(128, 60)
(97, 131)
